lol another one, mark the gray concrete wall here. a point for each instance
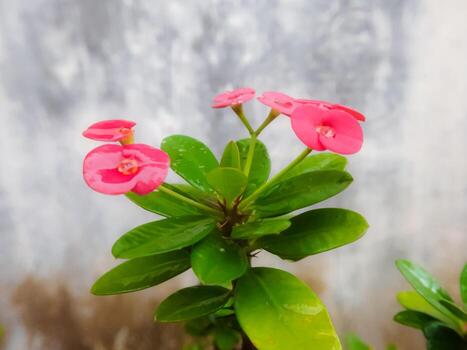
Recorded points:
(65, 64)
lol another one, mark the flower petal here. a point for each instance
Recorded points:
(233, 98)
(279, 101)
(108, 130)
(348, 138)
(356, 114)
(305, 120)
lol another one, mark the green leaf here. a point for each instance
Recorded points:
(162, 236)
(454, 309)
(278, 311)
(231, 156)
(226, 338)
(301, 191)
(191, 159)
(463, 284)
(260, 167)
(193, 193)
(142, 273)
(355, 343)
(256, 229)
(229, 183)
(314, 232)
(441, 337)
(163, 204)
(198, 327)
(426, 286)
(217, 261)
(422, 281)
(191, 303)
(413, 319)
(413, 301)
(321, 161)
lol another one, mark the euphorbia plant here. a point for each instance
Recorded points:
(228, 210)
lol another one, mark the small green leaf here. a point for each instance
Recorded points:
(441, 337)
(191, 159)
(226, 338)
(217, 261)
(231, 156)
(191, 303)
(227, 182)
(463, 284)
(142, 273)
(455, 310)
(224, 312)
(413, 319)
(421, 280)
(163, 204)
(278, 311)
(198, 327)
(260, 167)
(425, 285)
(314, 232)
(413, 301)
(162, 236)
(355, 343)
(321, 161)
(301, 191)
(256, 229)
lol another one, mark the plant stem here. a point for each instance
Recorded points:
(238, 109)
(249, 157)
(266, 185)
(189, 201)
(254, 136)
(271, 116)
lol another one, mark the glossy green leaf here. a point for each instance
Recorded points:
(301, 191)
(316, 162)
(455, 310)
(226, 338)
(463, 284)
(231, 156)
(141, 273)
(217, 261)
(413, 319)
(259, 228)
(224, 312)
(441, 337)
(355, 343)
(229, 183)
(278, 311)
(162, 236)
(163, 204)
(413, 301)
(422, 281)
(260, 167)
(191, 303)
(316, 231)
(193, 193)
(427, 287)
(191, 159)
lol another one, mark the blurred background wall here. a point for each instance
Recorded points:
(67, 63)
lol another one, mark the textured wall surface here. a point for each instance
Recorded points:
(67, 63)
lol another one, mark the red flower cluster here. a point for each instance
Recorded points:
(320, 125)
(118, 169)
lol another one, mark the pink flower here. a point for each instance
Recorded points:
(233, 98)
(115, 169)
(111, 130)
(279, 101)
(326, 105)
(332, 129)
